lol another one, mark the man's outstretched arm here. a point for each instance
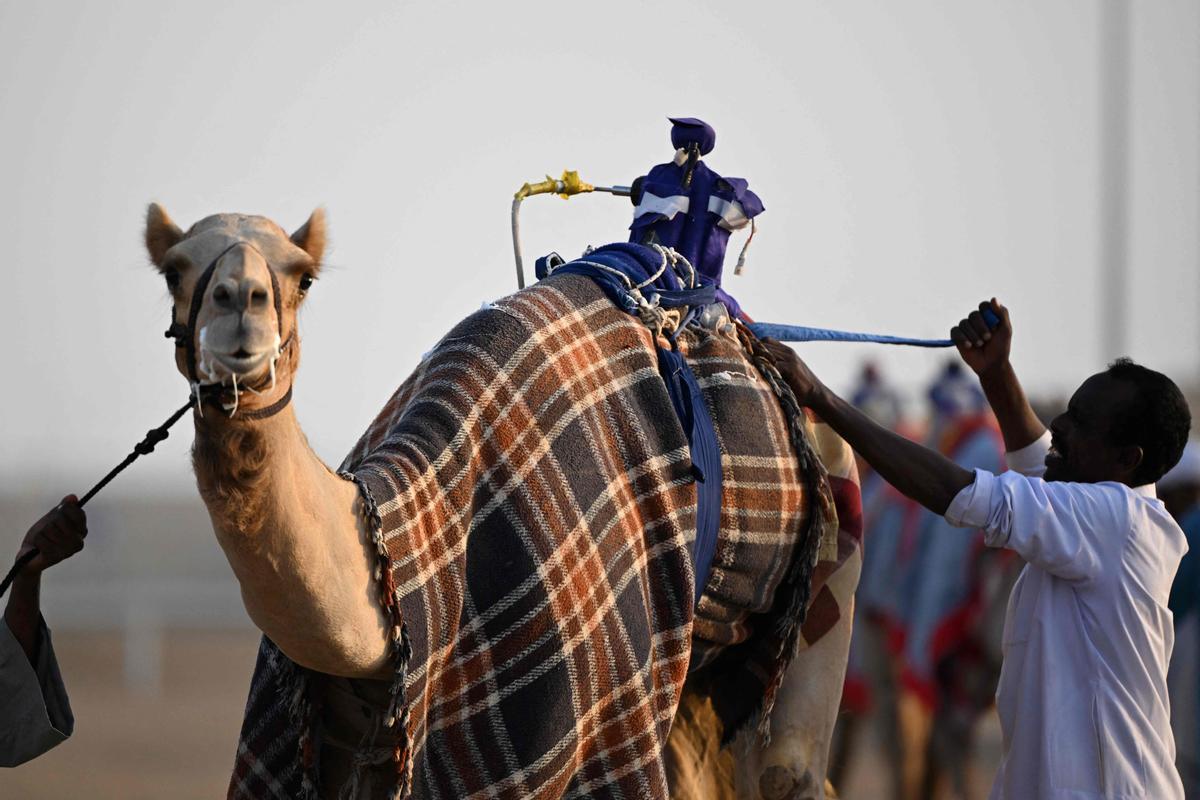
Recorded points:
(922, 474)
(918, 472)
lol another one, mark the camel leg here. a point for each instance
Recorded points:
(794, 765)
(697, 768)
(845, 740)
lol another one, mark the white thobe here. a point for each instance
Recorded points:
(1082, 696)
(35, 713)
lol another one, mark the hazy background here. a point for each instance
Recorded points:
(914, 157)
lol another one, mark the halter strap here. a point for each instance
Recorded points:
(185, 335)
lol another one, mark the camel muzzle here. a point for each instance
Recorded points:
(210, 366)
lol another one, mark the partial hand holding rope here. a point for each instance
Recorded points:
(144, 447)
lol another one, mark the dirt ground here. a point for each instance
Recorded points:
(178, 741)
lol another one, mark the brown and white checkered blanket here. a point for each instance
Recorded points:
(533, 502)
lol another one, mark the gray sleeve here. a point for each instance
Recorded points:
(36, 714)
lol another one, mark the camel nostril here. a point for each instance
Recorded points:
(222, 296)
(258, 298)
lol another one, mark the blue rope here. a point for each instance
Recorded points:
(801, 333)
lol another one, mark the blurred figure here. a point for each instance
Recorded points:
(36, 714)
(1179, 490)
(955, 589)
(925, 655)
(876, 398)
(889, 521)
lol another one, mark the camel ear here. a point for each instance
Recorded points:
(310, 237)
(161, 233)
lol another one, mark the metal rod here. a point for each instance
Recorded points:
(516, 233)
(620, 191)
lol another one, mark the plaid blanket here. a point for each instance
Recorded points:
(532, 500)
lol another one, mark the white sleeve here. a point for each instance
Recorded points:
(36, 714)
(1031, 459)
(1071, 530)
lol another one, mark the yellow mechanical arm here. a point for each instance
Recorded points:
(570, 183)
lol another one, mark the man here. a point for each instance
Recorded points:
(1082, 695)
(35, 714)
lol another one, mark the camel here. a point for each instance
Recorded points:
(264, 488)
(379, 674)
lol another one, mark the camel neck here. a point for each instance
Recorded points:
(241, 465)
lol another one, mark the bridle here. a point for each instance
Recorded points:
(185, 337)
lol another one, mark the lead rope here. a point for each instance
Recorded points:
(144, 447)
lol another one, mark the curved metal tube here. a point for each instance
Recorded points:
(564, 187)
(516, 231)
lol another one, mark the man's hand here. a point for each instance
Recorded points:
(983, 348)
(986, 352)
(806, 386)
(57, 536)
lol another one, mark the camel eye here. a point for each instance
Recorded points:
(173, 279)
(306, 282)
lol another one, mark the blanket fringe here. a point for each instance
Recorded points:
(797, 583)
(293, 684)
(397, 711)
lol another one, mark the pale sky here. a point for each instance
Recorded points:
(913, 157)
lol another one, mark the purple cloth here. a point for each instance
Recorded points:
(689, 130)
(694, 219)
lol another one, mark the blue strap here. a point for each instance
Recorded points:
(693, 414)
(638, 264)
(801, 333)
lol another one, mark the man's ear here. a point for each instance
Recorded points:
(310, 237)
(161, 233)
(1130, 458)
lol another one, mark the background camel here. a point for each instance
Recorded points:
(386, 592)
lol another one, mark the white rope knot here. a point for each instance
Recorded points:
(650, 311)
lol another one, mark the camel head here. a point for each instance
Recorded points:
(246, 312)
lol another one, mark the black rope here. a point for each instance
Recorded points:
(144, 447)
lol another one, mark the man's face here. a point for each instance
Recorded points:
(1081, 438)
